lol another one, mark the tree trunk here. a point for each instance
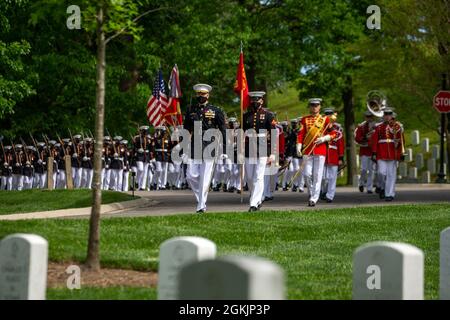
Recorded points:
(93, 254)
(349, 129)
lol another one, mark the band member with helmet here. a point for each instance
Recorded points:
(387, 149)
(311, 144)
(363, 137)
(199, 170)
(334, 159)
(256, 119)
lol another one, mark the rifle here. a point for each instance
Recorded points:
(3, 149)
(25, 147)
(113, 143)
(15, 153)
(62, 144)
(35, 145)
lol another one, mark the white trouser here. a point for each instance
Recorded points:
(116, 179)
(125, 178)
(7, 183)
(61, 184)
(17, 181)
(106, 174)
(366, 177)
(76, 176)
(235, 176)
(55, 175)
(87, 178)
(142, 168)
(41, 180)
(254, 173)
(27, 183)
(313, 174)
(330, 178)
(198, 175)
(161, 173)
(387, 175)
(270, 181)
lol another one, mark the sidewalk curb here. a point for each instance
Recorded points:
(105, 208)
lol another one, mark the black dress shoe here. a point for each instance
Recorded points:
(389, 199)
(285, 189)
(252, 209)
(301, 190)
(294, 189)
(323, 196)
(382, 196)
(268, 198)
(201, 211)
(361, 188)
(369, 192)
(311, 204)
(328, 200)
(215, 189)
(377, 190)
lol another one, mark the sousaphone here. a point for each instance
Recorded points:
(376, 103)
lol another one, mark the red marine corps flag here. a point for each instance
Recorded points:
(240, 86)
(173, 113)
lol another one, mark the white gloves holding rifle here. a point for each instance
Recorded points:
(299, 149)
(323, 139)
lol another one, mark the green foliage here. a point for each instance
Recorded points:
(15, 79)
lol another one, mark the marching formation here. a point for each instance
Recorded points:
(306, 152)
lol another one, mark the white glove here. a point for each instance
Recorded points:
(299, 149)
(240, 158)
(271, 159)
(75, 155)
(323, 139)
(223, 157)
(185, 158)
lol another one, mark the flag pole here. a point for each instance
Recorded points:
(242, 137)
(242, 147)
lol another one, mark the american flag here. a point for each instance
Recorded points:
(158, 102)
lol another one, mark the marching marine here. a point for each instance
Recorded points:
(257, 125)
(311, 145)
(387, 150)
(199, 168)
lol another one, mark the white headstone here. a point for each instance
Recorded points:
(403, 169)
(23, 267)
(435, 151)
(444, 271)
(412, 173)
(176, 253)
(388, 271)
(431, 165)
(415, 137)
(232, 278)
(426, 177)
(426, 145)
(355, 181)
(409, 155)
(419, 161)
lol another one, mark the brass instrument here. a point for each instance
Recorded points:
(376, 103)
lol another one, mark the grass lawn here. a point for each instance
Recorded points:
(44, 200)
(314, 248)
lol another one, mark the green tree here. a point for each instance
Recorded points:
(15, 80)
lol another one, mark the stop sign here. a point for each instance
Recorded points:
(441, 101)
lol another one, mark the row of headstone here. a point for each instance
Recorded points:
(189, 269)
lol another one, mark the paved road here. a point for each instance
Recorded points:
(183, 202)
